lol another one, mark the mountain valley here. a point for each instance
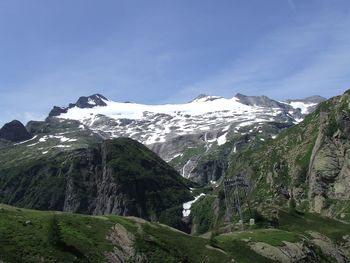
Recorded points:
(124, 174)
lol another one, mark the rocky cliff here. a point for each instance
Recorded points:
(309, 163)
(14, 131)
(119, 176)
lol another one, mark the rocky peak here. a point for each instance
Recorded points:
(83, 103)
(311, 99)
(56, 111)
(14, 131)
(262, 101)
(90, 102)
(204, 98)
(200, 96)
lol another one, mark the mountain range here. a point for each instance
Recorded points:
(170, 164)
(202, 125)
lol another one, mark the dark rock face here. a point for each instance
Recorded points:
(167, 150)
(212, 170)
(82, 102)
(56, 111)
(311, 99)
(205, 97)
(262, 101)
(14, 131)
(119, 176)
(90, 102)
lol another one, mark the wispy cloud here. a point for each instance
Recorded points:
(120, 74)
(153, 54)
(289, 62)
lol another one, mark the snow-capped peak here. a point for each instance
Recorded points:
(83, 103)
(135, 111)
(204, 98)
(212, 118)
(90, 102)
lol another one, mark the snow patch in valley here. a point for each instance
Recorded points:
(184, 169)
(177, 155)
(304, 107)
(61, 138)
(187, 206)
(26, 140)
(226, 128)
(33, 144)
(298, 120)
(214, 183)
(62, 146)
(43, 139)
(222, 139)
(65, 139)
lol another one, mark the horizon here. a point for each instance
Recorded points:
(169, 103)
(169, 52)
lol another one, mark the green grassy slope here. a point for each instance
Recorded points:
(46, 236)
(83, 238)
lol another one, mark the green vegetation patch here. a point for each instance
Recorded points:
(203, 214)
(241, 251)
(144, 177)
(36, 236)
(274, 237)
(33, 236)
(162, 244)
(303, 222)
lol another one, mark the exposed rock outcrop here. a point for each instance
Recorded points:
(309, 162)
(14, 131)
(119, 176)
(124, 248)
(82, 102)
(329, 168)
(289, 253)
(328, 247)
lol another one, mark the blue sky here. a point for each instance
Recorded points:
(52, 52)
